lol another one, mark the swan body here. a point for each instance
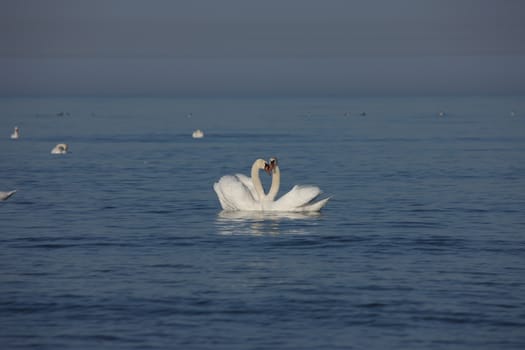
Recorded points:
(16, 133)
(238, 192)
(6, 195)
(197, 134)
(61, 148)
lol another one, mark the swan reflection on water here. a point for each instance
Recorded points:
(263, 223)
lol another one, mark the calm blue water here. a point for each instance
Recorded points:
(121, 243)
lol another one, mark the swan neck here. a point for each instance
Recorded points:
(276, 182)
(257, 181)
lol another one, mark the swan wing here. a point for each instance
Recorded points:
(234, 194)
(217, 187)
(299, 198)
(315, 206)
(247, 181)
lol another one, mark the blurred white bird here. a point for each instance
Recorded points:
(16, 133)
(61, 148)
(5, 195)
(197, 134)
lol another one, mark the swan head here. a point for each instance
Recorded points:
(267, 168)
(262, 164)
(272, 163)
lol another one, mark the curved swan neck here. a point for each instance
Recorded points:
(256, 179)
(276, 183)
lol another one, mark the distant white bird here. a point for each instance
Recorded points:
(197, 134)
(5, 195)
(61, 148)
(16, 133)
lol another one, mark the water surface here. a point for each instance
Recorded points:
(122, 244)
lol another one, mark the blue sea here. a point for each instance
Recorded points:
(121, 243)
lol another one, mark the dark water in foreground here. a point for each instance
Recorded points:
(121, 243)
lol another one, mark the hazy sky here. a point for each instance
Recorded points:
(252, 48)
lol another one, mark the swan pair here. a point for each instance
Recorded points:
(239, 192)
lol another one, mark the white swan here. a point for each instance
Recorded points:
(16, 133)
(301, 198)
(61, 148)
(197, 134)
(5, 195)
(239, 192)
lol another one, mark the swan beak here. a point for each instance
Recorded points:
(273, 164)
(268, 169)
